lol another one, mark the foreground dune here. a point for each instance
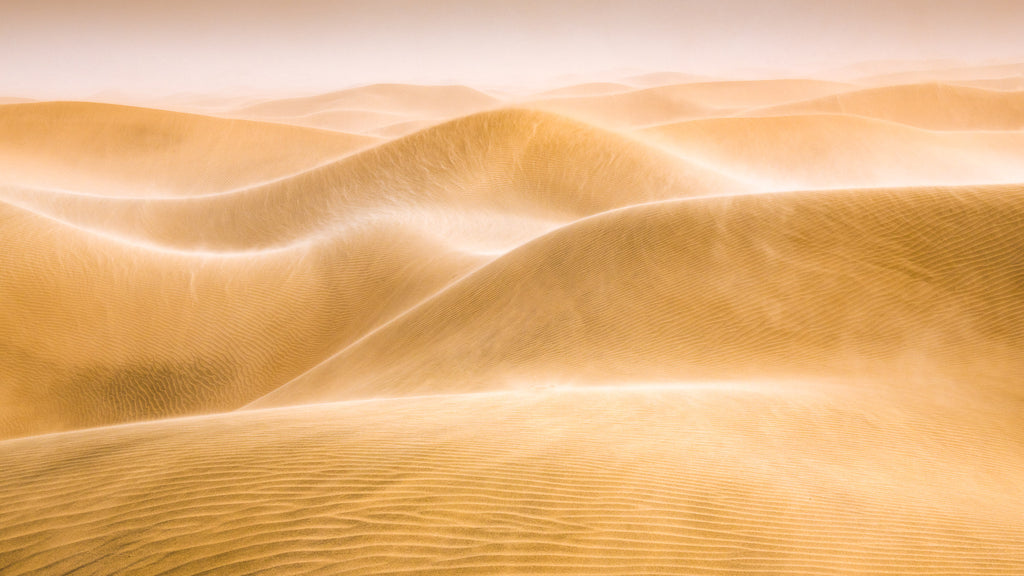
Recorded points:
(708, 478)
(659, 325)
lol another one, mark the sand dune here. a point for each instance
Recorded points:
(96, 331)
(1010, 83)
(326, 240)
(932, 106)
(833, 150)
(371, 106)
(627, 109)
(676, 102)
(664, 79)
(356, 121)
(587, 89)
(750, 93)
(719, 288)
(671, 325)
(914, 73)
(505, 163)
(708, 478)
(84, 147)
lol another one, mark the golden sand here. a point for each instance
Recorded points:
(662, 325)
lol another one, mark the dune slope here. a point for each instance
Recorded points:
(366, 107)
(95, 330)
(109, 149)
(808, 151)
(503, 164)
(680, 479)
(675, 102)
(932, 106)
(771, 326)
(918, 284)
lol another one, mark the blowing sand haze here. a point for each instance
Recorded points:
(644, 322)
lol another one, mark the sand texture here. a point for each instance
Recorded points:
(665, 324)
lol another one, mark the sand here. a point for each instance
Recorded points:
(661, 324)
(85, 147)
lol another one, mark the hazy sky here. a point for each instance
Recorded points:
(69, 48)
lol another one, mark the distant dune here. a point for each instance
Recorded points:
(676, 102)
(955, 72)
(359, 109)
(627, 109)
(662, 325)
(664, 78)
(122, 150)
(588, 89)
(931, 106)
(835, 150)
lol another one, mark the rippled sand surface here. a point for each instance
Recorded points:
(662, 325)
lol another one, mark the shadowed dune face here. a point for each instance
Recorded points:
(659, 325)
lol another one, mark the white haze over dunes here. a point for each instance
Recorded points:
(70, 49)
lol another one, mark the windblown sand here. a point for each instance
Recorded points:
(663, 325)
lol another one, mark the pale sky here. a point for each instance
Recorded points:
(76, 48)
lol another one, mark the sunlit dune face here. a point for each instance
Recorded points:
(569, 288)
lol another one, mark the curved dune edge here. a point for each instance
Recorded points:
(713, 478)
(920, 283)
(675, 102)
(246, 290)
(97, 331)
(108, 149)
(512, 162)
